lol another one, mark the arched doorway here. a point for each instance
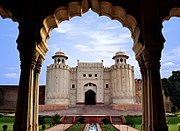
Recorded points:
(90, 97)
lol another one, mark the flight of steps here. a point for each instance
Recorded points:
(68, 119)
(116, 120)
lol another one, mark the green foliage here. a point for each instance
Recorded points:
(56, 119)
(41, 120)
(173, 119)
(43, 127)
(105, 121)
(171, 87)
(81, 120)
(133, 119)
(108, 127)
(76, 127)
(7, 119)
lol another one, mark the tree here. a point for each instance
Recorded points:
(171, 87)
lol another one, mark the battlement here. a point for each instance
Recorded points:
(59, 66)
(122, 66)
(90, 64)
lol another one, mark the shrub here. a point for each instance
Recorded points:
(105, 121)
(43, 127)
(41, 120)
(56, 119)
(5, 127)
(81, 120)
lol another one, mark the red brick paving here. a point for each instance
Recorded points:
(91, 110)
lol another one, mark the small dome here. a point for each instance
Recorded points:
(120, 54)
(59, 54)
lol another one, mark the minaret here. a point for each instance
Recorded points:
(58, 81)
(123, 90)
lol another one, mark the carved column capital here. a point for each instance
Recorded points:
(152, 57)
(141, 62)
(39, 64)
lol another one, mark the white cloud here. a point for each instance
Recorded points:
(168, 64)
(92, 38)
(11, 75)
(12, 68)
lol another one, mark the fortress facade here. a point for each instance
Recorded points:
(86, 84)
(90, 83)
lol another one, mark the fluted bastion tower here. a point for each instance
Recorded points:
(58, 81)
(123, 91)
(90, 83)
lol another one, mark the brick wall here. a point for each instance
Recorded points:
(11, 94)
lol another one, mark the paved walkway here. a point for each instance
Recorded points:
(125, 128)
(60, 127)
(91, 110)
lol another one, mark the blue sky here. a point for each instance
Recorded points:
(89, 38)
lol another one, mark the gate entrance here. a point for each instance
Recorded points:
(90, 97)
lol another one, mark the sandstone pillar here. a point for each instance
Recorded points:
(36, 93)
(144, 93)
(154, 118)
(26, 116)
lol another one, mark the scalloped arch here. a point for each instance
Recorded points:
(174, 12)
(5, 13)
(102, 8)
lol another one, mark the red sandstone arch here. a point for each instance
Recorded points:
(174, 12)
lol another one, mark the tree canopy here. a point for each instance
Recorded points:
(171, 87)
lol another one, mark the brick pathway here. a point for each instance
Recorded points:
(60, 127)
(125, 128)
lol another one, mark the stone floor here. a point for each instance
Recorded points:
(125, 128)
(90, 110)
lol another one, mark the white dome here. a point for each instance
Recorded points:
(60, 54)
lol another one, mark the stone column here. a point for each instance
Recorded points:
(36, 93)
(30, 49)
(144, 93)
(24, 107)
(156, 113)
(154, 118)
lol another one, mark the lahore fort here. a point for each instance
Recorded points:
(89, 83)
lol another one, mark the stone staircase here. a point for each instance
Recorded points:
(116, 120)
(68, 119)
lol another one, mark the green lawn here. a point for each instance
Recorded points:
(132, 120)
(136, 121)
(76, 127)
(9, 122)
(108, 127)
(6, 121)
